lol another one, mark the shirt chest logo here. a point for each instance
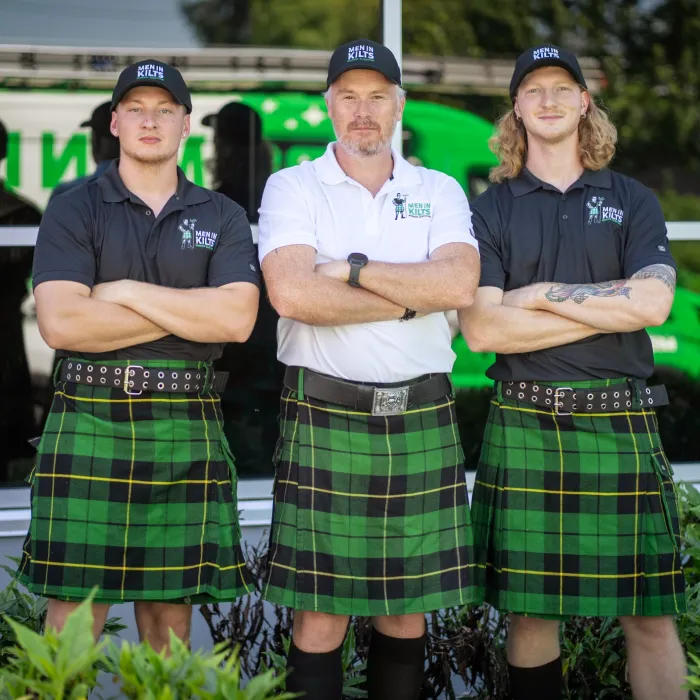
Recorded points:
(600, 214)
(415, 210)
(193, 238)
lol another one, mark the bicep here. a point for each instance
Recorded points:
(664, 273)
(246, 293)
(57, 297)
(282, 265)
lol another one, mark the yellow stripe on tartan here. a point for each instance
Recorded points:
(131, 476)
(206, 494)
(373, 578)
(81, 565)
(365, 495)
(575, 413)
(561, 518)
(134, 400)
(458, 462)
(636, 511)
(364, 413)
(53, 485)
(566, 493)
(640, 574)
(386, 514)
(313, 509)
(140, 482)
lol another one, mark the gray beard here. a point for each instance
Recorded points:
(356, 148)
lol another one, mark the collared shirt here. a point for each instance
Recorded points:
(102, 232)
(64, 187)
(415, 212)
(605, 227)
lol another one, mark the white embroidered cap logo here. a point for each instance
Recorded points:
(360, 52)
(545, 52)
(150, 70)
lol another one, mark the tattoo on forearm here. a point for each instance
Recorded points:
(580, 292)
(663, 273)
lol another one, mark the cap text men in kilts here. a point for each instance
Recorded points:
(140, 279)
(574, 506)
(370, 506)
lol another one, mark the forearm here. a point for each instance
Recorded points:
(435, 285)
(508, 329)
(616, 306)
(204, 315)
(91, 325)
(323, 301)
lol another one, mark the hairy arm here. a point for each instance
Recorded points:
(490, 326)
(204, 315)
(641, 301)
(447, 281)
(299, 292)
(69, 319)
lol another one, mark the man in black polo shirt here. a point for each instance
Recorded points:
(574, 507)
(140, 279)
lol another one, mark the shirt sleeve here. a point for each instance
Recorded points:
(647, 237)
(452, 218)
(285, 218)
(234, 258)
(64, 247)
(493, 273)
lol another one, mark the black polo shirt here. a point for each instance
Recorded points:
(101, 232)
(606, 226)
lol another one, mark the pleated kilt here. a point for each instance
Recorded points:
(576, 514)
(135, 495)
(371, 513)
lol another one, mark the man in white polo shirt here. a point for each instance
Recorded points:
(362, 254)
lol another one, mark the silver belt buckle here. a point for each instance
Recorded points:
(390, 402)
(127, 382)
(558, 396)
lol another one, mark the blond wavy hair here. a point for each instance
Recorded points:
(597, 137)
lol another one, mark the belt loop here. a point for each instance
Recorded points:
(498, 390)
(300, 384)
(636, 393)
(57, 371)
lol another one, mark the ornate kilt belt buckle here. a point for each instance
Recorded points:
(390, 402)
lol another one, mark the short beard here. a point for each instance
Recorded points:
(357, 148)
(150, 161)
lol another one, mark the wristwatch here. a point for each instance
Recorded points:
(408, 315)
(357, 262)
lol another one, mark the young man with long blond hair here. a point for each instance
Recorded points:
(574, 508)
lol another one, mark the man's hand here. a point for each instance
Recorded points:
(117, 292)
(529, 297)
(337, 270)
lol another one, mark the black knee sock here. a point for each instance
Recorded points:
(318, 676)
(539, 683)
(395, 667)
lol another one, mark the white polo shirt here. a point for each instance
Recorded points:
(416, 211)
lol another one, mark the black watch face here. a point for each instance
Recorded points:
(357, 259)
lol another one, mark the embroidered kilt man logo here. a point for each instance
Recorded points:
(187, 230)
(595, 210)
(399, 203)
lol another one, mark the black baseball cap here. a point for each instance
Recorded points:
(151, 72)
(100, 119)
(236, 122)
(363, 53)
(541, 56)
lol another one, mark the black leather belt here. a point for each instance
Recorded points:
(377, 399)
(565, 400)
(140, 378)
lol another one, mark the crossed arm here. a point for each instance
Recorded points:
(319, 295)
(546, 315)
(120, 314)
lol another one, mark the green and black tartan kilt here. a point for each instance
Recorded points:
(371, 515)
(576, 514)
(134, 495)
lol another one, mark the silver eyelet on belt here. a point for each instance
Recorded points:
(174, 387)
(117, 370)
(103, 370)
(161, 385)
(68, 376)
(187, 387)
(103, 380)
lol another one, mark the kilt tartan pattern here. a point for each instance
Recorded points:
(576, 514)
(134, 495)
(370, 512)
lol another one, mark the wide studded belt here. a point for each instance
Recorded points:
(134, 379)
(564, 400)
